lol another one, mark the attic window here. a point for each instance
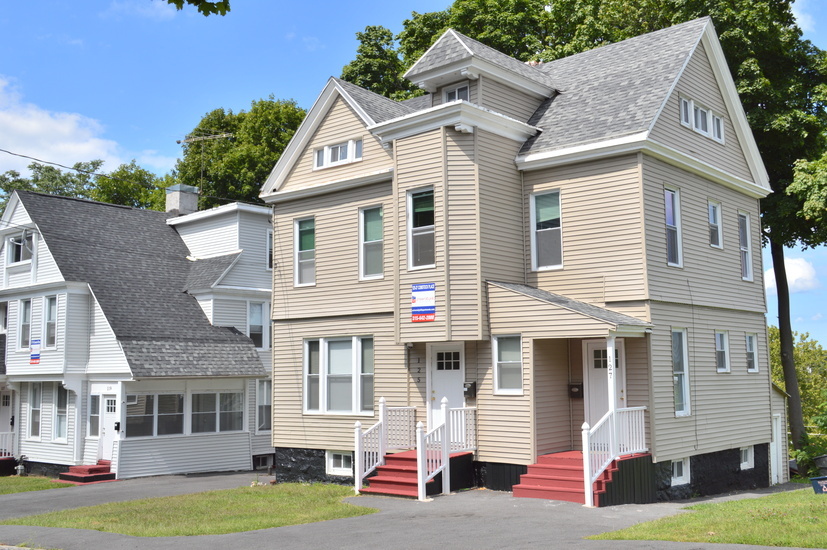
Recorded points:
(701, 119)
(21, 247)
(458, 93)
(340, 153)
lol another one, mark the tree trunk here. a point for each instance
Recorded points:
(785, 333)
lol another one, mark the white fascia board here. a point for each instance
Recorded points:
(330, 187)
(71, 287)
(734, 107)
(305, 132)
(456, 113)
(445, 74)
(218, 211)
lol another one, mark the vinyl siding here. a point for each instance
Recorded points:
(553, 409)
(230, 313)
(250, 271)
(104, 352)
(502, 98)
(177, 455)
(728, 410)
(211, 236)
(261, 443)
(340, 124)
(47, 270)
(698, 84)
(45, 449)
(337, 256)
(420, 163)
(292, 427)
(603, 257)
(709, 276)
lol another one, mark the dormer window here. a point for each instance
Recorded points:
(456, 94)
(20, 248)
(702, 120)
(340, 153)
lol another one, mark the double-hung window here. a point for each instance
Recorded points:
(721, 351)
(370, 243)
(744, 245)
(269, 249)
(714, 214)
(680, 372)
(154, 414)
(305, 247)
(421, 244)
(340, 153)
(35, 406)
(264, 405)
(255, 324)
(338, 375)
(25, 324)
(50, 322)
(752, 356)
(217, 412)
(61, 416)
(546, 231)
(94, 415)
(672, 204)
(457, 93)
(509, 365)
(21, 247)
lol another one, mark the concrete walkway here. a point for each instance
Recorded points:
(477, 519)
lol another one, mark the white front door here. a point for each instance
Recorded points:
(446, 374)
(109, 404)
(595, 375)
(6, 411)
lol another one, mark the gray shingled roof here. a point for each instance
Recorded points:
(614, 90)
(204, 273)
(377, 107)
(137, 268)
(595, 312)
(454, 46)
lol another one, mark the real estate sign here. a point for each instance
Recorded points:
(423, 302)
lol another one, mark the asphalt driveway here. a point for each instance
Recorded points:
(477, 519)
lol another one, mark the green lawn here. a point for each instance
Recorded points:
(793, 518)
(210, 513)
(15, 484)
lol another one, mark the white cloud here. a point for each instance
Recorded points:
(805, 21)
(152, 161)
(158, 10)
(817, 317)
(65, 138)
(801, 276)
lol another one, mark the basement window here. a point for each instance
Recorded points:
(680, 471)
(747, 457)
(339, 463)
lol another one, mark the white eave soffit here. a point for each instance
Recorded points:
(471, 68)
(462, 115)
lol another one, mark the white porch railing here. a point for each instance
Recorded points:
(6, 444)
(394, 430)
(620, 432)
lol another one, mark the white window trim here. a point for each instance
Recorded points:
(362, 243)
(20, 308)
(39, 435)
(46, 311)
(456, 89)
(265, 324)
(89, 416)
(188, 411)
(410, 228)
(725, 349)
(269, 259)
(351, 154)
(745, 251)
(687, 410)
(717, 223)
(185, 427)
(533, 231)
(356, 376)
(678, 228)
(4, 317)
(754, 351)
(10, 246)
(686, 477)
(260, 402)
(296, 251)
(749, 463)
(334, 471)
(715, 118)
(711, 118)
(495, 355)
(55, 437)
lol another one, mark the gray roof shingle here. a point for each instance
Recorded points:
(137, 268)
(377, 107)
(595, 312)
(204, 273)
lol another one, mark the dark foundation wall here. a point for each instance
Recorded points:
(716, 473)
(496, 476)
(304, 465)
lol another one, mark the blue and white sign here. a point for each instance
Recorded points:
(423, 302)
(34, 359)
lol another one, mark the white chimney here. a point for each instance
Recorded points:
(181, 200)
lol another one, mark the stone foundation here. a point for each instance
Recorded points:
(304, 466)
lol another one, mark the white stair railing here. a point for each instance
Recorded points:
(6, 444)
(463, 435)
(394, 430)
(433, 454)
(620, 432)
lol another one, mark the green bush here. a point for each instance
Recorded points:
(814, 446)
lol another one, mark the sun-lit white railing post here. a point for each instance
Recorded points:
(587, 468)
(446, 449)
(383, 427)
(421, 467)
(358, 459)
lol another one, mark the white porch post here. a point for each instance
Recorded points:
(612, 374)
(446, 448)
(587, 465)
(383, 429)
(358, 457)
(421, 465)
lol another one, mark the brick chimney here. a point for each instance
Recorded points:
(181, 200)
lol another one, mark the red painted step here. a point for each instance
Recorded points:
(556, 476)
(89, 473)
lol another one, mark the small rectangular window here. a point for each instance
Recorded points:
(673, 227)
(752, 356)
(21, 247)
(717, 128)
(371, 239)
(25, 324)
(721, 351)
(744, 245)
(269, 249)
(61, 412)
(50, 322)
(305, 246)
(339, 463)
(714, 212)
(340, 153)
(686, 112)
(4, 317)
(509, 365)
(94, 415)
(747, 457)
(680, 472)
(255, 324)
(456, 94)
(680, 372)
(546, 231)
(35, 405)
(701, 120)
(421, 229)
(264, 405)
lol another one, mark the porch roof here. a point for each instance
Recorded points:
(553, 315)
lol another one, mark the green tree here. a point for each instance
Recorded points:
(130, 185)
(76, 182)
(229, 155)
(207, 8)
(811, 365)
(377, 66)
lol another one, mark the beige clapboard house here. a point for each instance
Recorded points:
(576, 241)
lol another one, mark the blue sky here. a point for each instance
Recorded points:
(124, 79)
